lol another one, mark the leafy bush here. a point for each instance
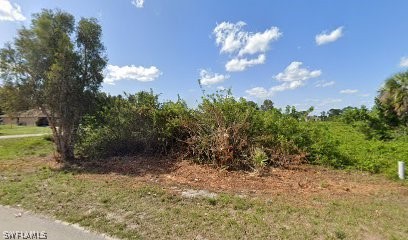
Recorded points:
(132, 124)
(358, 152)
(233, 133)
(259, 157)
(367, 122)
(221, 130)
(352, 114)
(228, 132)
(324, 150)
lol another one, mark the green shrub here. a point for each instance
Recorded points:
(259, 157)
(232, 133)
(324, 149)
(133, 124)
(221, 131)
(354, 150)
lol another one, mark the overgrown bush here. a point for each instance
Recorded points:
(367, 122)
(222, 131)
(228, 132)
(131, 124)
(360, 153)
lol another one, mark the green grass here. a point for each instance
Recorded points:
(149, 211)
(18, 130)
(369, 155)
(24, 147)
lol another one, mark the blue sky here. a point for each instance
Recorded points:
(329, 54)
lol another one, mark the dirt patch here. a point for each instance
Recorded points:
(27, 165)
(303, 180)
(191, 193)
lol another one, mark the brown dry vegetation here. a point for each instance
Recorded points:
(303, 181)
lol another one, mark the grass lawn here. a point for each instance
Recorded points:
(123, 205)
(14, 148)
(18, 130)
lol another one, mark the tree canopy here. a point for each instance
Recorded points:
(392, 100)
(56, 65)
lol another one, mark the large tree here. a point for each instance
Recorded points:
(57, 65)
(392, 100)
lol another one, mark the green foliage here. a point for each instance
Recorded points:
(267, 105)
(10, 102)
(259, 157)
(334, 112)
(366, 121)
(282, 137)
(324, 150)
(57, 66)
(131, 124)
(236, 134)
(392, 100)
(222, 131)
(356, 151)
(353, 114)
(374, 128)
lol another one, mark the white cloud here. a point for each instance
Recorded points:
(287, 86)
(328, 101)
(10, 12)
(237, 64)
(229, 36)
(324, 37)
(138, 3)
(208, 78)
(259, 92)
(259, 42)
(404, 62)
(294, 72)
(348, 91)
(221, 88)
(232, 38)
(115, 73)
(365, 95)
(292, 77)
(323, 84)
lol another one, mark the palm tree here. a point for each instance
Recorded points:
(392, 100)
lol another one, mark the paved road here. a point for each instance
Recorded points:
(14, 220)
(23, 135)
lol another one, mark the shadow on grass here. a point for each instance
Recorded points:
(139, 165)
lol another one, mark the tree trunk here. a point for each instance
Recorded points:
(67, 151)
(62, 138)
